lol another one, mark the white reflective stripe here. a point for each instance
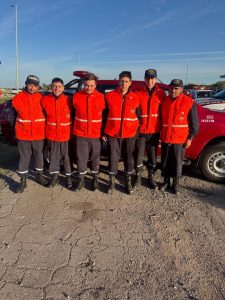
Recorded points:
(29, 121)
(62, 124)
(23, 121)
(153, 115)
(176, 126)
(85, 120)
(127, 119)
(65, 124)
(39, 120)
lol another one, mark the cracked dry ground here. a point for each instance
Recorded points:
(57, 244)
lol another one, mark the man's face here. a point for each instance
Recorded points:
(150, 82)
(89, 86)
(57, 88)
(32, 88)
(175, 91)
(124, 84)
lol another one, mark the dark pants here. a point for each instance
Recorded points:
(87, 148)
(58, 151)
(26, 150)
(116, 145)
(149, 142)
(172, 160)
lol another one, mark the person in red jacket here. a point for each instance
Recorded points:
(151, 97)
(179, 126)
(121, 128)
(57, 108)
(30, 130)
(89, 105)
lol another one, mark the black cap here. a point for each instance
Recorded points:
(32, 79)
(150, 73)
(125, 74)
(177, 82)
(57, 79)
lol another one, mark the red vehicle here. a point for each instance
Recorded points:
(207, 150)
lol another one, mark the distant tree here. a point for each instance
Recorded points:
(218, 85)
(45, 86)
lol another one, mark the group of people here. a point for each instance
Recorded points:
(134, 120)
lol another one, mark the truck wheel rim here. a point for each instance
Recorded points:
(217, 164)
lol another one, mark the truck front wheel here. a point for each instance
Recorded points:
(212, 162)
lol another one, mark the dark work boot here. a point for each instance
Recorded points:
(138, 175)
(95, 185)
(41, 179)
(69, 183)
(165, 185)
(111, 186)
(80, 183)
(151, 182)
(54, 181)
(176, 186)
(129, 187)
(22, 186)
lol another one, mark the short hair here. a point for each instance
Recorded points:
(90, 76)
(57, 79)
(125, 74)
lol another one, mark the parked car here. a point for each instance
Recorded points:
(201, 93)
(207, 150)
(216, 102)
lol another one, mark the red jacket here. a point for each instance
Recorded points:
(150, 109)
(175, 127)
(30, 121)
(58, 115)
(88, 114)
(122, 121)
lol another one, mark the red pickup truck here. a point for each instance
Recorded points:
(207, 151)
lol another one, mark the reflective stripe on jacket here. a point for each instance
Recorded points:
(122, 118)
(175, 127)
(88, 114)
(30, 121)
(58, 115)
(150, 109)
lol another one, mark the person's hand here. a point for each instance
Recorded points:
(187, 143)
(104, 138)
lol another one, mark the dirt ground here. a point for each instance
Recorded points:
(57, 244)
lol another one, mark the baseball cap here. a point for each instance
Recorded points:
(150, 73)
(32, 79)
(177, 82)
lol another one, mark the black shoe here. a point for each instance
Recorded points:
(54, 181)
(151, 182)
(129, 187)
(138, 175)
(95, 185)
(111, 186)
(69, 183)
(80, 183)
(165, 185)
(22, 186)
(176, 186)
(41, 179)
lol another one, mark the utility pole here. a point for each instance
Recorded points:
(17, 52)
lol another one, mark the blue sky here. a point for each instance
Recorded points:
(57, 37)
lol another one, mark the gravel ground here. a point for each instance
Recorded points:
(57, 244)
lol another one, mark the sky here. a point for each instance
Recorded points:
(180, 39)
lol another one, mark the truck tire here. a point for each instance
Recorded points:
(212, 162)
